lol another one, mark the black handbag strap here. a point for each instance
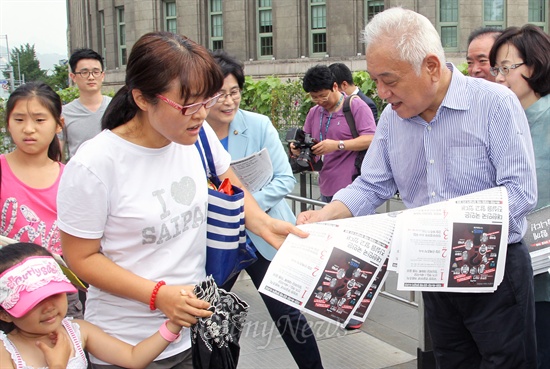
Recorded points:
(207, 152)
(349, 116)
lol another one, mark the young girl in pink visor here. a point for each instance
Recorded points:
(34, 330)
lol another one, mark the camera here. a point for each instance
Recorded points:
(306, 158)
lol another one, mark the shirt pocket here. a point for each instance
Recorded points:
(468, 169)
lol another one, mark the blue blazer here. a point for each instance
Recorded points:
(249, 133)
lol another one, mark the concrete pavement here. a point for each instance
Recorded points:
(388, 339)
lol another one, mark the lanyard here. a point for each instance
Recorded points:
(328, 121)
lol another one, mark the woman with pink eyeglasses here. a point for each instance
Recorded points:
(132, 201)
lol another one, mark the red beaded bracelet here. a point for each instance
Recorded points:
(154, 295)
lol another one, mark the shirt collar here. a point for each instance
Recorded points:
(454, 98)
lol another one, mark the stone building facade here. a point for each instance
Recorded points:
(280, 37)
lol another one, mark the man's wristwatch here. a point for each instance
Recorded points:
(341, 145)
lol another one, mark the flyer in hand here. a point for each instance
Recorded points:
(457, 245)
(329, 273)
(254, 171)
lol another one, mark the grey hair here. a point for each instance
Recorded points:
(412, 35)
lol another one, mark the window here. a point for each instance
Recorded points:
(318, 27)
(448, 23)
(373, 7)
(170, 17)
(103, 46)
(494, 13)
(216, 24)
(121, 28)
(265, 29)
(537, 13)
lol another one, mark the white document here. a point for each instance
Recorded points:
(329, 273)
(458, 245)
(254, 171)
(393, 259)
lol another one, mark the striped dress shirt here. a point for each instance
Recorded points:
(478, 139)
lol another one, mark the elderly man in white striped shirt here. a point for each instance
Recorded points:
(444, 135)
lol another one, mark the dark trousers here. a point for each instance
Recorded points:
(291, 324)
(542, 309)
(487, 330)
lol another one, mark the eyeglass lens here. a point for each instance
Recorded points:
(319, 98)
(192, 109)
(235, 95)
(86, 73)
(504, 69)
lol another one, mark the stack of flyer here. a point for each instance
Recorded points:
(537, 239)
(335, 273)
(458, 245)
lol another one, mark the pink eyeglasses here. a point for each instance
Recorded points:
(192, 108)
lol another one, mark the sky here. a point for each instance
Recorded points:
(39, 22)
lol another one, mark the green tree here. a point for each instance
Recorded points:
(362, 80)
(286, 103)
(69, 94)
(24, 57)
(59, 80)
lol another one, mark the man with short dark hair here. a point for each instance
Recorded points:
(83, 115)
(480, 42)
(327, 124)
(344, 78)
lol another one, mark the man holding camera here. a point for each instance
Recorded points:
(327, 125)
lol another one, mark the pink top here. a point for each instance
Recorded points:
(29, 214)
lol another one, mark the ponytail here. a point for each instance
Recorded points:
(54, 150)
(121, 109)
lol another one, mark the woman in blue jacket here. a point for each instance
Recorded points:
(520, 60)
(243, 133)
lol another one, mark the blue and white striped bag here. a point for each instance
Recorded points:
(227, 250)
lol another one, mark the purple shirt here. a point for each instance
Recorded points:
(338, 166)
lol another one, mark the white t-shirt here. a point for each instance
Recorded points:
(148, 206)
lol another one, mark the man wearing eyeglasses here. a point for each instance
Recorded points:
(83, 115)
(326, 123)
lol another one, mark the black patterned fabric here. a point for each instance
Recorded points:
(215, 340)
